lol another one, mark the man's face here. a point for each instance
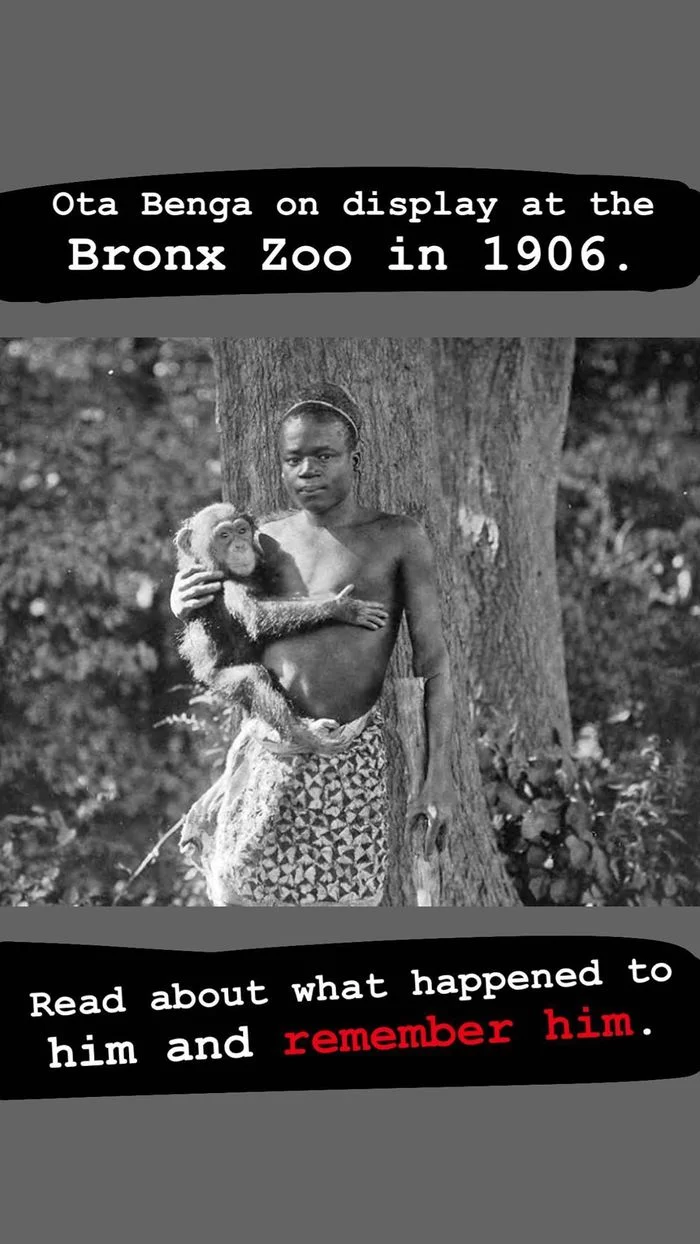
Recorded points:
(317, 464)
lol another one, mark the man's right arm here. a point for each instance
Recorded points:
(192, 590)
(436, 799)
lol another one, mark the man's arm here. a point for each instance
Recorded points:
(193, 589)
(436, 798)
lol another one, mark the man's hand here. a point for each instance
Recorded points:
(436, 802)
(192, 590)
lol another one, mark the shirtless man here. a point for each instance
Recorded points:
(337, 671)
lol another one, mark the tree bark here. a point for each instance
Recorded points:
(464, 435)
(501, 406)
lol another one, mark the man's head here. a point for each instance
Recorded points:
(319, 436)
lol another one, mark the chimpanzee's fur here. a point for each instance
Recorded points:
(224, 641)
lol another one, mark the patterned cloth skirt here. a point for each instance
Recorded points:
(290, 827)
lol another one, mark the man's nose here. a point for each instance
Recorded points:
(308, 467)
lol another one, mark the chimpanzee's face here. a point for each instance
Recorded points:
(225, 541)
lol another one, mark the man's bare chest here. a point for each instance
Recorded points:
(329, 564)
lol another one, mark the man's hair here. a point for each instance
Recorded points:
(330, 402)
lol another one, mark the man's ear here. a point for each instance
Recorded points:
(356, 460)
(183, 538)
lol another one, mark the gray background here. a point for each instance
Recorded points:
(90, 92)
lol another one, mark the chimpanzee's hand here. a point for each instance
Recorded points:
(367, 613)
(192, 590)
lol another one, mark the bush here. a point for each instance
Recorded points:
(578, 830)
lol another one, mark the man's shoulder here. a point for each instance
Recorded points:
(403, 528)
(272, 524)
(401, 524)
(405, 536)
(399, 529)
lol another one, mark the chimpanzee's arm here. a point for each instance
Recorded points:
(273, 619)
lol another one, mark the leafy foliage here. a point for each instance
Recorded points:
(629, 540)
(578, 830)
(105, 445)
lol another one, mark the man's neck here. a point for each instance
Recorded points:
(344, 514)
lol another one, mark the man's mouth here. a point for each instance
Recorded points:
(309, 488)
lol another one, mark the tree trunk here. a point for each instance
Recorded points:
(501, 406)
(465, 436)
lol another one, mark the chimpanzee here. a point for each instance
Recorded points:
(223, 642)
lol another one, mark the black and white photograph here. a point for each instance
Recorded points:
(359, 622)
